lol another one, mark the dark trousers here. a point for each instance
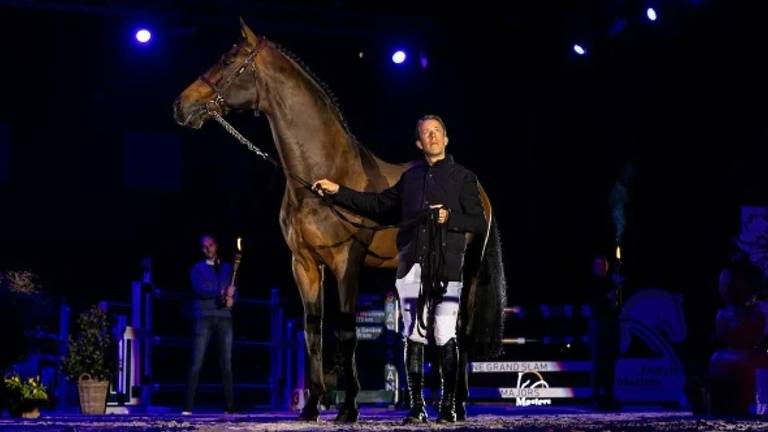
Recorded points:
(204, 328)
(604, 337)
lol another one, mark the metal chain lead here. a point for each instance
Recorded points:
(252, 147)
(238, 136)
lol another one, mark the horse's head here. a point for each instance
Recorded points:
(229, 84)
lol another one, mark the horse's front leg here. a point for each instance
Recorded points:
(346, 268)
(309, 278)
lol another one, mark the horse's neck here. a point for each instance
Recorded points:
(310, 138)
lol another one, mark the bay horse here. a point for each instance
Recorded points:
(313, 141)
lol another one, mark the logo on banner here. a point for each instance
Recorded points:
(527, 393)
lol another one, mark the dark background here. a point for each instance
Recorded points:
(95, 175)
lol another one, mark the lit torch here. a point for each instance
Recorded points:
(229, 301)
(238, 257)
(618, 281)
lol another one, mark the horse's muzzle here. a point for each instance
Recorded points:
(188, 117)
(178, 113)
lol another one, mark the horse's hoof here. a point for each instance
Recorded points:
(347, 415)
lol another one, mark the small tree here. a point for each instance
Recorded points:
(89, 349)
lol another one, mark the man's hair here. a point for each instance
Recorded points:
(430, 117)
(208, 235)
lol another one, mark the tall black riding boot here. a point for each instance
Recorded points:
(414, 368)
(449, 368)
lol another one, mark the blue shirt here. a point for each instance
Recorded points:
(207, 286)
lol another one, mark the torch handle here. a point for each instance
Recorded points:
(235, 267)
(618, 284)
(225, 300)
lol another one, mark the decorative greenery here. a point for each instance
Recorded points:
(24, 310)
(18, 390)
(88, 350)
(20, 282)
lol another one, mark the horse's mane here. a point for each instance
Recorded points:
(330, 98)
(325, 89)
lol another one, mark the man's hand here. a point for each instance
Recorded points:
(325, 186)
(442, 215)
(228, 296)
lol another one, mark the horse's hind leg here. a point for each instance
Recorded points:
(462, 387)
(347, 274)
(309, 278)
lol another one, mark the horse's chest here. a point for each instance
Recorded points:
(311, 224)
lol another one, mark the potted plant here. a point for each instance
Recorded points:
(88, 360)
(24, 397)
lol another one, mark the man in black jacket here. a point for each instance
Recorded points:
(439, 202)
(604, 334)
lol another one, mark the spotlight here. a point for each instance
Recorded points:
(143, 36)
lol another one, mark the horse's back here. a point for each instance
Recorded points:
(391, 172)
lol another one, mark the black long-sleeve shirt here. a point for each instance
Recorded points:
(445, 182)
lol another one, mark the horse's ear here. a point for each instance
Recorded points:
(247, 32)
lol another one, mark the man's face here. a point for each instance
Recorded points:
(210, 248)
(432, 138)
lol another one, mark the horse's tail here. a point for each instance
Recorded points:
(484, 314)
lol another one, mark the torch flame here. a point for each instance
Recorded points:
(239, 245)
(618, 252)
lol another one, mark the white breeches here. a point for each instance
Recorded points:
(446, 312)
